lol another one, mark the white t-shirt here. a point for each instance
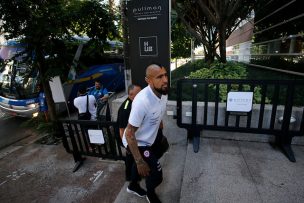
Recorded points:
(146, 114)
(81, 104)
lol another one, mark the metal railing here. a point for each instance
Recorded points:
(278, 108)
(76, 140)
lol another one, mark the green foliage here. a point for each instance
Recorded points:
(199, 69)
(181, 41)
(93, 19)
(217, 70)
(45, 26)
(184, 70)
(211, 22)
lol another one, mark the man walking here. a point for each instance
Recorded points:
(122, 120)
(145, 118)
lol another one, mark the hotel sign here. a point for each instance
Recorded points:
(148, 22)
(239, 101)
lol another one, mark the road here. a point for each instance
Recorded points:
(11, 130)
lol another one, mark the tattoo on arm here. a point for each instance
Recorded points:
(132, 142)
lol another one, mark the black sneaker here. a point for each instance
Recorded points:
(136, 190)
(152, 198)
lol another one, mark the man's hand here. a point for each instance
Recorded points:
(142, 167)
(105, 97)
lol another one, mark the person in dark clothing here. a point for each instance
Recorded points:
(122, 119)
(125, 108)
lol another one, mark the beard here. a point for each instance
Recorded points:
(163, 91)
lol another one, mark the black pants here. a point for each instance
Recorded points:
(129, 161)
(158, 149)
(160, 145)
(156, 174)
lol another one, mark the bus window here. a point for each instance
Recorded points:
(16, 83)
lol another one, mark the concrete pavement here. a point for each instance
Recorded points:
(10, 130)
(31, 172)
(240, 171)
(227, 171)
(222, 171)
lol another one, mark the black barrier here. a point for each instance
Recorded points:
(283, 99)
(76, 140)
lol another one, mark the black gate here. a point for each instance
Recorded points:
(76, 140)
(278, 108)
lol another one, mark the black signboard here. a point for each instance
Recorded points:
(148, 22)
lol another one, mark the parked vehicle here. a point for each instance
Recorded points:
(111, 77)
(18, 92)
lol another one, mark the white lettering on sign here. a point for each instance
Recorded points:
(147, 47)
(147, 9)
(239, 101)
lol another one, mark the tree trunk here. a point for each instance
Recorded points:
(222, 43)
(111, 5)
(210, 53)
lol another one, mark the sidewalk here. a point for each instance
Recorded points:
(225, 171)
(222, 171)
(31, 172)
(241, 171)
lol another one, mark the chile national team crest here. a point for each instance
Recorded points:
(146, 153)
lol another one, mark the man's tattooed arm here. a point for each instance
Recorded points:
(142, 166)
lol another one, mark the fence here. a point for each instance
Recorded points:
(278, 108)
(77, 141)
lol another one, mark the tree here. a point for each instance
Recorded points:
(212, 21)
(44, 26)
(181, 41)
(125, 32)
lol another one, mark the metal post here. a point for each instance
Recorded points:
(76, 154)
(285, 138)
(195, 129)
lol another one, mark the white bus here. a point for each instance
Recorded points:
(18, 93)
